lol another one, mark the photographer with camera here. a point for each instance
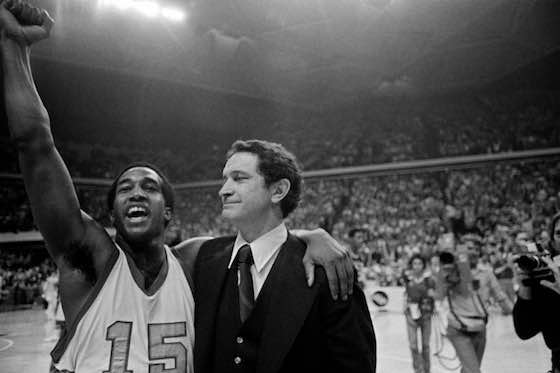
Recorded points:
(538, 300)
(468, 289)
(418, 309)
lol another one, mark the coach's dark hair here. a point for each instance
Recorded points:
(275, 163)
(166, 188)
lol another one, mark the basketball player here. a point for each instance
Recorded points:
(128, 304)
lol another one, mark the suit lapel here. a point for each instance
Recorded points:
(290, 302)
(209, 283)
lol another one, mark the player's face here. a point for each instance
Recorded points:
(139, 208)
(245, 196)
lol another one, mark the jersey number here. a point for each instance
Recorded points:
(119, 334)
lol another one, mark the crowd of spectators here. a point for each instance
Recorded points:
(22, 273)
(388, 131)
(491, 209)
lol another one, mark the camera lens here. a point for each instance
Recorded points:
(528, 262)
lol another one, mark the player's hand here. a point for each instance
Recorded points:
(325, 251)
(24, 23)
(555, 286)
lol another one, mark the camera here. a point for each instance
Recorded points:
(533, 264)
(536, 268)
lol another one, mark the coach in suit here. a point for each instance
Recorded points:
(254, 311)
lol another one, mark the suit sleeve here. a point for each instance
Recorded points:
(349, 333)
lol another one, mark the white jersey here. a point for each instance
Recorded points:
(123, 329)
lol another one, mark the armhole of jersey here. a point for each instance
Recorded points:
(63, 342)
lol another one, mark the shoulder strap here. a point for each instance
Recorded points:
(452, 310)
(482, 306)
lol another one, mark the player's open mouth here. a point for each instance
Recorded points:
(136, 213)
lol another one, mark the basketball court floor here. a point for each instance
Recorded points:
(23, 349)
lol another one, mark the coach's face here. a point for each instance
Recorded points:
(245, 196)
(139, 209)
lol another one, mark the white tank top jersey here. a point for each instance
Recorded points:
(122, 329)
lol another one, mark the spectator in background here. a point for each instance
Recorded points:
(468, 289)
(50, 295)
(418, 310)
(537, 306)
(434, 264)
(359, 249)
(502, 266)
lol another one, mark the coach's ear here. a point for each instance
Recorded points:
(279, 190)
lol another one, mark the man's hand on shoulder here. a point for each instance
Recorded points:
(24, 23)
(324, 250)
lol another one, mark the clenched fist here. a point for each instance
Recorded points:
(24, 23)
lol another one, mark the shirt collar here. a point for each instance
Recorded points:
(264, 247)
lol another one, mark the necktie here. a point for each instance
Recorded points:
(246, 295)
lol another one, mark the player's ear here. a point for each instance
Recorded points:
(279, 190)
(167, 214)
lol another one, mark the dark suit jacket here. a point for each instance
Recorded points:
(305, 329)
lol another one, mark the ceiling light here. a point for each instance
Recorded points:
(147, 8)
(173, 14)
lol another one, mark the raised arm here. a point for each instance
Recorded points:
(499, 295)
(48, 184)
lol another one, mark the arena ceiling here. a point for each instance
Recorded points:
(310, 53)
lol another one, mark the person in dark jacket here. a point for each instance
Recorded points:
(537, 307)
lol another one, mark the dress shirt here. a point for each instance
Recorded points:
(264, 249)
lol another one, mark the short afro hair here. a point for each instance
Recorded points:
(166, 187)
